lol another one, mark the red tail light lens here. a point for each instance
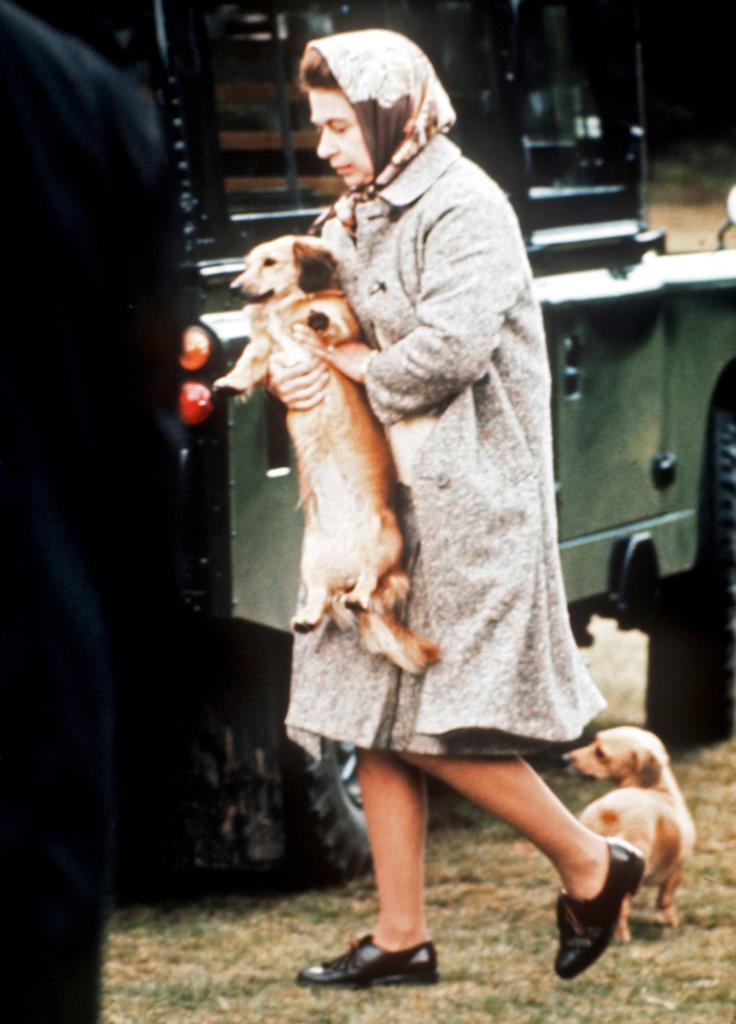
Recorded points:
(196, 348)
(195, 403)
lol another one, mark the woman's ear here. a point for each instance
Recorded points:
(316, 267)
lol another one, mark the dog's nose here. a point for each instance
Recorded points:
(237, 284)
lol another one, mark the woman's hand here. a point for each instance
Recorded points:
(299, 385)
(350, 357)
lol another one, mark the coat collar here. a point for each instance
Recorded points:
(423, 171)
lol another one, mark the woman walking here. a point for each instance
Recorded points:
(455, 367)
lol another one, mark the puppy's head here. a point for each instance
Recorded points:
(627, 755)
(287, 264)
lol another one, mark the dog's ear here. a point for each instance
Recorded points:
(316, 267)
(648, 768)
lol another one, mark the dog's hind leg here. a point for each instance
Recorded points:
(359, 598)
(665, 910)
(370, 595)
(312, 611)
(623, 933)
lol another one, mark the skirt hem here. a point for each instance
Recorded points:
(481, 743)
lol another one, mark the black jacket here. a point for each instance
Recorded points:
(88, 340)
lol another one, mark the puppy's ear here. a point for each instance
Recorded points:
(316, 267)
(648, 768)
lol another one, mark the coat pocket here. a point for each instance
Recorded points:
(476, 436)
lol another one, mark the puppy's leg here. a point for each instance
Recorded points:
(665, 910)
(250, 371)
(623, 933)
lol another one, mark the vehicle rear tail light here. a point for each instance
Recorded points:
(195, 403)
(196, 348)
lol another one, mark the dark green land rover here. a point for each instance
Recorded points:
(643, 351)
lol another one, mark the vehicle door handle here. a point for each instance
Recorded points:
(664, 469)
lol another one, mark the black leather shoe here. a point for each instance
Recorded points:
(366, 964)
(586, 926)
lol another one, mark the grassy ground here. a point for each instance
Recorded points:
(229, 959)
(687, 194)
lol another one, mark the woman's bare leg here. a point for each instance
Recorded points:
(513, 792)
(395, 807)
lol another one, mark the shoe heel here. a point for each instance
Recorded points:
(635, 872)
(638, 875)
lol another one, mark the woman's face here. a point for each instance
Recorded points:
(341, 139)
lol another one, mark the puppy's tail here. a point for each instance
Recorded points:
(382, 633)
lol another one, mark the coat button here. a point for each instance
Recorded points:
(443, 480)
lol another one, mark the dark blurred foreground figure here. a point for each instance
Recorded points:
(87, 492)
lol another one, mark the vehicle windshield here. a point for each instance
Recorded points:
(561, 122)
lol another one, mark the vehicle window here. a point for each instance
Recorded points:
(267, 142)
(562, 125)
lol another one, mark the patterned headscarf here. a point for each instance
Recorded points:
(399, 101)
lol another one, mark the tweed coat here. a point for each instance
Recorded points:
(439, 278)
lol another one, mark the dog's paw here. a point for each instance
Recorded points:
(303, 624)
(360, 598)
(667, 919)
(231, 387)
(318, 320)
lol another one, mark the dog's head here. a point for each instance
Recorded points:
(288, 264)
(626, 754)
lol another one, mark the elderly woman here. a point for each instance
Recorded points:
(454, 365)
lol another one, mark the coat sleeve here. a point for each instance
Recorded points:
(473, 269)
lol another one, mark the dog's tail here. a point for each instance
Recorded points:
(380, 630)
(382, 633)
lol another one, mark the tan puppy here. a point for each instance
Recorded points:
(648, 809)
(351, 554)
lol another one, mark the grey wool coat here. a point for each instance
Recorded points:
(439, 278)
